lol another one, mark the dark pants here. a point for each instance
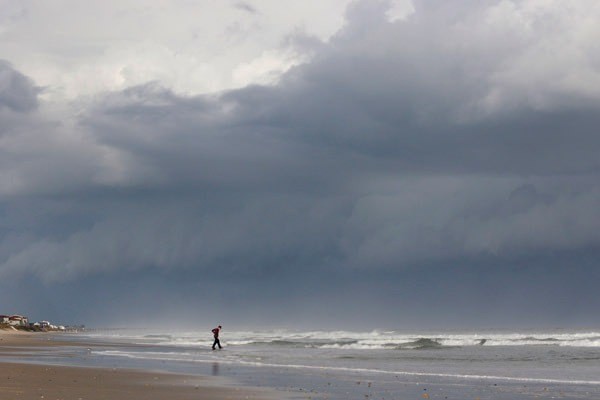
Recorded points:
(216, 343)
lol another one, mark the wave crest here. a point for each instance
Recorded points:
(421, 343)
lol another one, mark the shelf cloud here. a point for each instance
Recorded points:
(452, 134)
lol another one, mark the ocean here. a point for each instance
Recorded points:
(365, 365)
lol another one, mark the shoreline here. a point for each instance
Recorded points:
(273, 367)
(26, 380)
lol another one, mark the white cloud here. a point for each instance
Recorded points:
(399, 10)
(82, 48)
(267, 68)
(554, 53)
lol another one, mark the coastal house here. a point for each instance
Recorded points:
(4, 319)
(18, 320)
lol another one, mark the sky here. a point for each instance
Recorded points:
(331, 164)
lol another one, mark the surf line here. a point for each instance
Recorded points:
(429, 374)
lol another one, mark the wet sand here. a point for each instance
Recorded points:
(30, 381)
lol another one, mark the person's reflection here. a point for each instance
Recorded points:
(215, 369)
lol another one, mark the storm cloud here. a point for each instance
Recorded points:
(456, 135)
(17, 92)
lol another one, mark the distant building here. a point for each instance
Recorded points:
(18, 320)
(4, 319)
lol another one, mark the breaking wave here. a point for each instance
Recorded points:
(384, 340)
(422, 343)
(376, 341)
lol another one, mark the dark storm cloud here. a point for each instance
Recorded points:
(17, 92)
(400, 144)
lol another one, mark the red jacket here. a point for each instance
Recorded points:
(216, 333)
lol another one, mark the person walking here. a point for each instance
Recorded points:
(216, 332)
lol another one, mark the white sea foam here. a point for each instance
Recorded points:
(426, 374)
(386, 340)
(375, 339)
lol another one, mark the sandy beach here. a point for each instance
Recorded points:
(30, 381)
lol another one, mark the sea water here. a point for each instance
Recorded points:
(370, 365)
